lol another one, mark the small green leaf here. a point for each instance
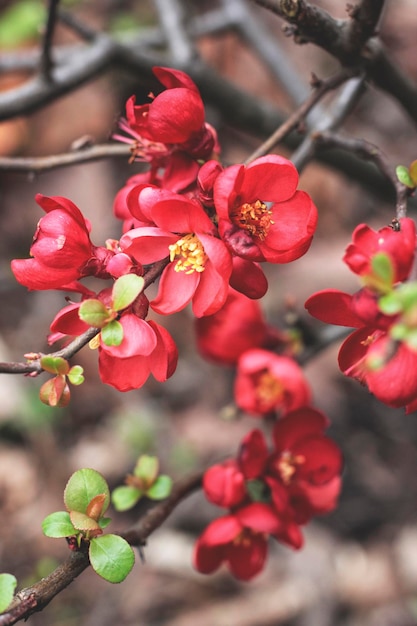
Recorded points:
(125, 497)
(21, 22)
(403, 175)
(75, 375)
(83, 522)
(94, 313)
(112, 334)
(58, 524)
(111, 557)
(399, 332)
(382, 268)
(161, 488)
(147, 468)
(82, 487)
(411, 339)
(104, 522)
(390, 303)
(258, 491)
(7, 587)
(125, 290)
(55, 365)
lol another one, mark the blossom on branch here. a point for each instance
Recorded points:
(61, 251)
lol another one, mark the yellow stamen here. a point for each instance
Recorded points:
(255, 217)
(287, 465)
(269, 389)
(189, 253)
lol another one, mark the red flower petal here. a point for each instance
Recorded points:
(333, 307)
(292, 428)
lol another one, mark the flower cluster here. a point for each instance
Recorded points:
(269, 493)
(382, 352)
(201, 228)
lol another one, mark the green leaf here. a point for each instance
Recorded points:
(21, 22)
(94, 313)
(411, 339)
(112, 334)
(55, 365)
(82, 487)
(404, 176)
(111, 557)
(147, 468)
(75, 375)
(382, 268)
(399, 332)
(7, 587)
(58, 524)
(258, 491)
(391, 303)
(83, 522)
(104, 522)
(125, 290)
(125, 497)
(161, 488)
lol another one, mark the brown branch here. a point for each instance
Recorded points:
(39, 165)
(366, 150)
(311, 24)
(38, 596)
(34, 366)
(320, 89)
(46, 62)
(364, 18)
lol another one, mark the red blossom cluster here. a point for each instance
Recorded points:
(382, 352)
(207, 226)
(204, 230)
(269, 493)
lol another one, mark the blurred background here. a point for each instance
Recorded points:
(359, 565)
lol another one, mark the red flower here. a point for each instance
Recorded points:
(399, 245)
(267, 382)
(237, 327)
(147, 348)
(307, 463)
(262, 216)
(200, 265)
(175, 116)
(62, 251)
(369, 354)
(239, 540)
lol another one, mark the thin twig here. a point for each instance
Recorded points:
(34, 366)
(320, 89)
(46, 62)
(367, 150)
(39, 165)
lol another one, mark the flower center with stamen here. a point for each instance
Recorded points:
(189, 254)
(287, 465)
(269, 390)
(254, 217)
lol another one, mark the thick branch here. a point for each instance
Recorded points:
(365, 17)
(38, 596)
(314, 25)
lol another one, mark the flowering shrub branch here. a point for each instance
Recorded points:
(205, 231)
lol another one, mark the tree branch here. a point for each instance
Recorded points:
(320, 89)
(33, 366)
(314, 25)
(38, 596)
(366, 150)
(46, 62)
